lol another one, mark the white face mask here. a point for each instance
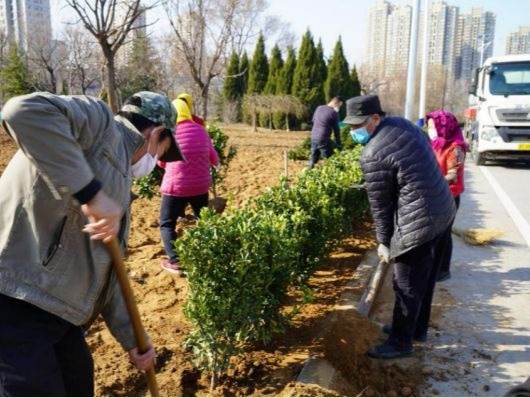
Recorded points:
(144, 165)
(337, 109)
(432, 134)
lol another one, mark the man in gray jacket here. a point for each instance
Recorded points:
(411, 207)
(64, 191)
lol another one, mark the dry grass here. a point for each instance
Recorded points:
(477, 236)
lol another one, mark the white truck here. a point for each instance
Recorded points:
(498, 125)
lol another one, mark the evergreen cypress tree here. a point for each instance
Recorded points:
(14, 75)
(259, 69)
(244, 72)
(307, 83)
(339, 80)
(285, 83)
(323, 67)
(356, 84)
(140, 72)
(275, 70)
(230, 88)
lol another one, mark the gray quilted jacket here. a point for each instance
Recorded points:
(45, 258)
(409, 198)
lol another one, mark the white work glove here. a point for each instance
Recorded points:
(384, 253)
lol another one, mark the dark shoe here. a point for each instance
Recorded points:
(443, 276)
(387, 329)
(387, 351)
(173, 268)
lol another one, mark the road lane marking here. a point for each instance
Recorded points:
(520, 222)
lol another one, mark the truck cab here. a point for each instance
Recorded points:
(500, 100)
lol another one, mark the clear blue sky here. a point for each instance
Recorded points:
(328, 19)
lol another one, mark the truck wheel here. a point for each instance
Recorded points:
(478, 158)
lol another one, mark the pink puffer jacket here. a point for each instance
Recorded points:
(190, 178)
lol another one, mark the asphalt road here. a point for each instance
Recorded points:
(482, 342)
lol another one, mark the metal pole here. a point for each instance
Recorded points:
(411, 74)
(482, 52)
(424, 62)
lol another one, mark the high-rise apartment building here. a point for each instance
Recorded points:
(518, 42)
(26, 21)
(376, 38)
(477, 32)
(397, 49)
(442, 24)
(456, 42)
(139, 30)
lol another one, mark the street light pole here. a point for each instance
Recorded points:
(411, 73)
(482, 49)
(424, 62)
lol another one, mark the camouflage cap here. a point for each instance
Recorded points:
(158, 109)
(155, 107)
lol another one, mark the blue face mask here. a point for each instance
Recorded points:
(360, 136)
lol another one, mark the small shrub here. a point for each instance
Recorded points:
(148, 185)
(226, 155)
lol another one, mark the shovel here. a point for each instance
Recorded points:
(132, 309)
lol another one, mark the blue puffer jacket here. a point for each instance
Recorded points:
(410, 200)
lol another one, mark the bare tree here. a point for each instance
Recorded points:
(83, 63)
(110, 22)
(203, 31)
(248, 23)
(47, 59)
(371, 83)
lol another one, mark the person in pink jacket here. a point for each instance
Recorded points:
(185, 182)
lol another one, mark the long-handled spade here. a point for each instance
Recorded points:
(132, 309)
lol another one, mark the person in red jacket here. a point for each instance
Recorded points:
(450, 149)
(185, 183)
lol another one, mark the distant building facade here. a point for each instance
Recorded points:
(139, 30)
(518, 42)
(26, 22)
(457, 41)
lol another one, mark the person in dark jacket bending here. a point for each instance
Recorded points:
(325, 120)
(411, 207)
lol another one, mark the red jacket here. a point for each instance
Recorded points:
(190, 178)
(451, 161)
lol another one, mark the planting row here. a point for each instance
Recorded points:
(241, 265)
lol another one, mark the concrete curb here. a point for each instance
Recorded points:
(318, 370)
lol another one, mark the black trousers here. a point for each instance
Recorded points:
(173, 207)
(318, 150)
(414, 281)
(444, 251)
(41, 354)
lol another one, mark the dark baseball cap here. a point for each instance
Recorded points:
(358, 109)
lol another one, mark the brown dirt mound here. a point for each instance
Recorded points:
(345, 345)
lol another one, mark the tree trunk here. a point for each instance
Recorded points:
(111, 81)
(254, 128)
(287, 122)
(270, 119)
(204, 95)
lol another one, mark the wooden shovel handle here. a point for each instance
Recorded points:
(132, 309)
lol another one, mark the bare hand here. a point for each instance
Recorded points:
(153, 139)
(104, 216)
(143, 361)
